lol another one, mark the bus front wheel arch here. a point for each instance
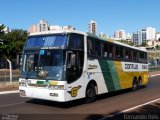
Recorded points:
(91, 92)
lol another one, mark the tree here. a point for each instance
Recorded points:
(2, 29)
(13, 43)
(127, 42)
(2, 32)
(157, 47)
(1, 37)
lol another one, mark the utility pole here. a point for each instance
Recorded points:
(10, 69)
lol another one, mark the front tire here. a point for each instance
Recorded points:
(90, 93)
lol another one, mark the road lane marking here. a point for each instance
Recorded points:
(155, 75)
(9, 92)
(129, 109)
(141, 105)
(11, 104)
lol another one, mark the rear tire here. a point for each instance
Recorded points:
(135, 85)
(90, 93)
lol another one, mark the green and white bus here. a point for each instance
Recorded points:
(68, 65)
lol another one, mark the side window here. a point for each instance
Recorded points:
(94, 47)
(121, 52)
(76, 41)
(138, 56)
(105, 49)
(91, 47)
(130, 54)
(135, 55)
(126, 54)
(98, 48)
(117, 52)
(111, 51)
(143, 57)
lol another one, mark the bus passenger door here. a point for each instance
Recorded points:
(74, 73)
(72, 69)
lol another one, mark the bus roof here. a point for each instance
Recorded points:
(56, 32)
(118, 43)
(87, 34)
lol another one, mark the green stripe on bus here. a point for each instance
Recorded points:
(107, 75)
(114, 74)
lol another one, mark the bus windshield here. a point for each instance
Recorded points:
(58, 40)
(45, 64)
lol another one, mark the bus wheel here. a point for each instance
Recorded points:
(135, 85)
(90, 93)
(140, 82)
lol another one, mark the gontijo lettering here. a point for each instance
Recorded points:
(131, 66)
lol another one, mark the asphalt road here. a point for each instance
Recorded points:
(11, 105)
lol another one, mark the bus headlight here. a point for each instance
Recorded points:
(56, 87)
(22, 83)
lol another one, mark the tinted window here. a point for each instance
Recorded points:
(135, 55)
(121, 52)
(128, 54)
(105, 49)
(98, 48)
(117, 52)
(111, 51)
(143, 57)
(76, 41)
(91, 47)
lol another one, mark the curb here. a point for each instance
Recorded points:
(9, 92)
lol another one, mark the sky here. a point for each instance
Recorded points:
(110, 15)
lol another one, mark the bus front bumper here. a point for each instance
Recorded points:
(45, 94)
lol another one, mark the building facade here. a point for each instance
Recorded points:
(40, 27)
(157, 35)
(103, 35)
(139, 37)
(150, 33)
(142, 36)
(92, 27)
(135, 39)
(120, 34)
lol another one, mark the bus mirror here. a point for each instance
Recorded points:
(73, 60)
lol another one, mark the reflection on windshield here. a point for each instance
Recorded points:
(51, 58)
(51, 61)
(31, 62)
